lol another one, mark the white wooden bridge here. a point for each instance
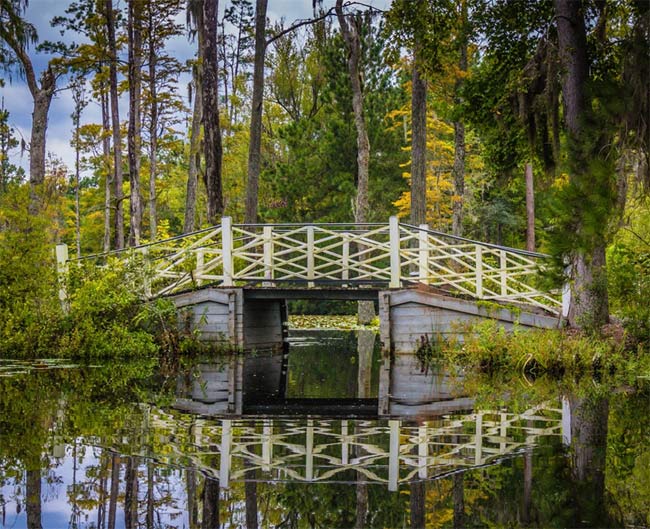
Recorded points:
(275, 261)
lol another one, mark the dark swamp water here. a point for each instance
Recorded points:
(316, 437)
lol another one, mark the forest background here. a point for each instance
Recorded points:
(508, 121)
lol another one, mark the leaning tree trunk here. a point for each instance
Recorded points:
(255, 143)
(211, 127)
(366, 309)
(530, 208)
(115, 119)
(195, 158)
(589, 304)
(135, 103)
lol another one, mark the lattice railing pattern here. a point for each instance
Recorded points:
(326, 450)
(392, 254)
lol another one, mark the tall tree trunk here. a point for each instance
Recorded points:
(211, 127)
(189, 223)
(150, 496)
(210, 504)
(350, 31)
(153, 129)
(131, 494)
(106, 152)
(33, 498)
(255, 143)
(418, 143)
(589, 302)
(135, 103)
(589, 425)
(417, 504)
(250, 492)
(192, 507)
(458, 494)
(459, 134)
(115, 490)
(42, 101)
(77, 148)
(115, 119)
(530, 209)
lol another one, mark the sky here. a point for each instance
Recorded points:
(18, 100)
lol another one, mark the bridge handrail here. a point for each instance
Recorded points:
(510, 249)
(437, 233)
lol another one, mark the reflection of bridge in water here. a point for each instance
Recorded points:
(388, 452)
(411, 426)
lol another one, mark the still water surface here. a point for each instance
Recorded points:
(320, 436)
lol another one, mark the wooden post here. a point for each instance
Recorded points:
(395, 266)
(423, 451)
(310, 255)
(268, 255)
(423, 255)
(479, 271)
(503, 268)
(345, 444)
(200, 262)
(503, 432)
(309, 451)
(267, 445)
(62, 272)
(226, 441)
(345, 257)
(393, 456)
(226, 249)
(478, 440)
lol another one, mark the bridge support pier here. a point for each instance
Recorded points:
(224, 316)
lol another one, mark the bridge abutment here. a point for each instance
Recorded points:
(223, 316)
(409, 317)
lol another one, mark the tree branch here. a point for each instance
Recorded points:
(305, 22)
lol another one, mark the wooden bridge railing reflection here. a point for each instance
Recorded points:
(388, 452)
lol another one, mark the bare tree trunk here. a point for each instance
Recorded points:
(115, 490)
(131, 494)
(255, 143)
(153, 130)
(77, 217)
(530, 209)
(211, 127)
(117, 134)
(192, 508)
(458, 494)
(250, 491)
(189, 223)
(135, 103)
(417, 504)
(350, 31)
(589, 301)
(459, 135)
(150, 496)
(210, 504)
(33, 498)
(418, 144)
(106, 151)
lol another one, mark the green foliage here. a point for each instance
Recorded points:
(629, 275)
(489, 348)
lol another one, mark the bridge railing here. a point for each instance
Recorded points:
(392, 255)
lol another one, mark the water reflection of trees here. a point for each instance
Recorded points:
(96, 423)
